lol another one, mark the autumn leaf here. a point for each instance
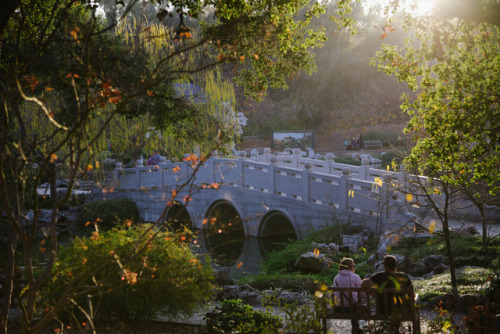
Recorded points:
(49, 89)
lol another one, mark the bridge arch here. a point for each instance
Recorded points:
(224, 232)
(274, 229)
(178, 216)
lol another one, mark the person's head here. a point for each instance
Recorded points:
(346, 264)
(156, 152)
(390, 263)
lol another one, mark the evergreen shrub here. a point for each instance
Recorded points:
(130, 274)
(233, 315)
(109, 213)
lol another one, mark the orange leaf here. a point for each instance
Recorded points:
(49, 89)
(150, 93)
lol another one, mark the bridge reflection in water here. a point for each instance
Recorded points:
(224, 237)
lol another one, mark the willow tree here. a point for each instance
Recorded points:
(60, 62)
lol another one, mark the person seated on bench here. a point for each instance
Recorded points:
(389, 278)
(347, 278)
(356, 141)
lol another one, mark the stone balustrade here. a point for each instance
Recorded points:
(327, 183)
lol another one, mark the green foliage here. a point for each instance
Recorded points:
(469, 279)
(131, 274)
(348, 161)
(232, 315)
(282, 261)
(388, 139)
(454, 118)
(109, 213)
(468, 249)
(329, 234)
(300, 319)
(391, 159)
(285, 281)
(442, 322)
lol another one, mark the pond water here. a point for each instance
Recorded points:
(243, 255)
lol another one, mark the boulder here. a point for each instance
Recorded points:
(418, 269)
(355, 242)
(440, 268)
(388, 240)
(246, 293)
(326, 248)
(431, 261)
(290, 297)
(471, 300)
(223, 276)
(311, 262)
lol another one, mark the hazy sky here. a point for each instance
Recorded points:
(422, 6)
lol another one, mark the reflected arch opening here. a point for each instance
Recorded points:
(224, 233)
(178, 218)
(275, 231)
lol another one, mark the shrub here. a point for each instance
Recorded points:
(388, 138)
(108, 213)
(133, 274)
(291, 282)
(282, 261)
(232, 315)
(348, 161)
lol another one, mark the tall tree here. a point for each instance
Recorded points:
(454, 67)
(65, 70)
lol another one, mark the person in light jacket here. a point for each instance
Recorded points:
(347, 278)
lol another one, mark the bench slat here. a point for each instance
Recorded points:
(370, 310)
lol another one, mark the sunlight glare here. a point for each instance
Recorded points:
(413, 7)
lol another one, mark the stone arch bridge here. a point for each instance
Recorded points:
(271, 195)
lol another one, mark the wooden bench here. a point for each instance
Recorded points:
(372, 143)
(371, 305)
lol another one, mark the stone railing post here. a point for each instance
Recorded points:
(344, 187)
(267, 154)
(273, 161)
(138, 164)
(386, 196)
(329, 162)
(364, 173)
(296, 157)
(161, 170)
(305, 182)
(118, 170)
(242, 155)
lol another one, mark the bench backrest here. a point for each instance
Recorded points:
(373, 303)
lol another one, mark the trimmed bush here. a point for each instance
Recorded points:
(109, 213)
(131, 274)
(232, 315)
